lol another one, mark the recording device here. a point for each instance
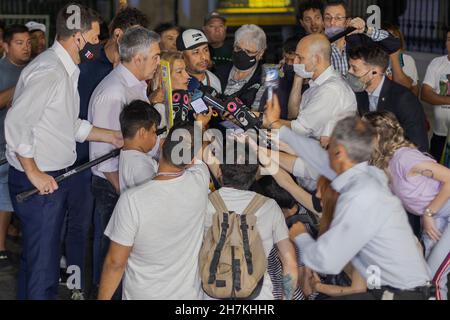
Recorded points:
(342, 34)
(236, 108)
(308, 219)
(271, 78)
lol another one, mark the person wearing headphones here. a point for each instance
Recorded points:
(375, 92)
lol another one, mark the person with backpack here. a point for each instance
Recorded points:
(243, 226)
(156, 229)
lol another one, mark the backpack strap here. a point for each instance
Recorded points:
(257, 202)
(221, 209)
(217, 202)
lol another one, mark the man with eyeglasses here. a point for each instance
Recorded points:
(337, 20)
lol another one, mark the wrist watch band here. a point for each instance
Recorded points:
(429, 212)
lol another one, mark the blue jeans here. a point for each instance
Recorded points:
(42, 218)
(80, 206)
(106, 198)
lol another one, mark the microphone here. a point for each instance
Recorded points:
(341, 34)
(236, 108)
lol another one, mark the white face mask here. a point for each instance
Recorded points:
(300, 70)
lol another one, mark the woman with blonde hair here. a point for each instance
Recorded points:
(179, 79)
(419, 181)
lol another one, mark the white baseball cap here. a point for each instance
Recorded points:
(191, 39)
(35, 26)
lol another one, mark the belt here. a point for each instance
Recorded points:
(427, 291)
(58, 172)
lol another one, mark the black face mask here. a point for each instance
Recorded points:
(243, 61)
(90, 52)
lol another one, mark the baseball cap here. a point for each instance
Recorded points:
(213, 15)
(35, 26)
(191, 39)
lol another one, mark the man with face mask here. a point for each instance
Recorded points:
(336, 20)
(375, 92)
(97, 62)
(328, 99)
(140, 57)
(243, 78)
(41, 129)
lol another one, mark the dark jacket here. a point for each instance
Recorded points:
(248, 93)
(406, 107)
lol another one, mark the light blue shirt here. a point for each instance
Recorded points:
(370, 229)
(374, 97)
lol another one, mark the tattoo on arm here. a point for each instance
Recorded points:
(288, 287)
(427, 173)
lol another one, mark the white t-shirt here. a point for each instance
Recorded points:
(439, 69)
(163, 222)
(212, 81)
(135, 168)
(270, 223)
(410, 68)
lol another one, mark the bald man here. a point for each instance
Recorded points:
(328, 100)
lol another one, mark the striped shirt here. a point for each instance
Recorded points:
(339, 58)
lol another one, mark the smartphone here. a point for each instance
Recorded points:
(199, 106)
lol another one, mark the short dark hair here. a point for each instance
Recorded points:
(333, 3)
(241, 174)
(11, 30)
(166, 26)
(172, 144)
(136, 115)
(127, 18)
(310, 5)
(2, 25)
(87, 18)
(270, 188)
(372, 55)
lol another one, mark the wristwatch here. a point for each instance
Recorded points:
(429, 212)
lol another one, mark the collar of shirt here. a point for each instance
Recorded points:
(130, 78)
(377, 91)
(345, 178)
(65, 58)
(327, 74)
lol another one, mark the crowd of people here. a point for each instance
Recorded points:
(357, 208)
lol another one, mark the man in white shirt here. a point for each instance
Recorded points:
(236, 181)
(370, 227)
(138, 122)
(140, 57)
(194, 45)
(156, 230)
(41, 129)
(328, 99)
(436, 91)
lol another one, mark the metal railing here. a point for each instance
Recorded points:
(24, 18)
(38, 9)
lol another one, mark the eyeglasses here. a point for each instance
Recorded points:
(331, 18)
(250, 53)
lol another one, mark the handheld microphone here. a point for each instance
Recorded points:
(341, 34)
(237, 109)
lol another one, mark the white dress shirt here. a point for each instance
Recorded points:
(328, 100)
(370, 229)
(43, 121)
(118, 89)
